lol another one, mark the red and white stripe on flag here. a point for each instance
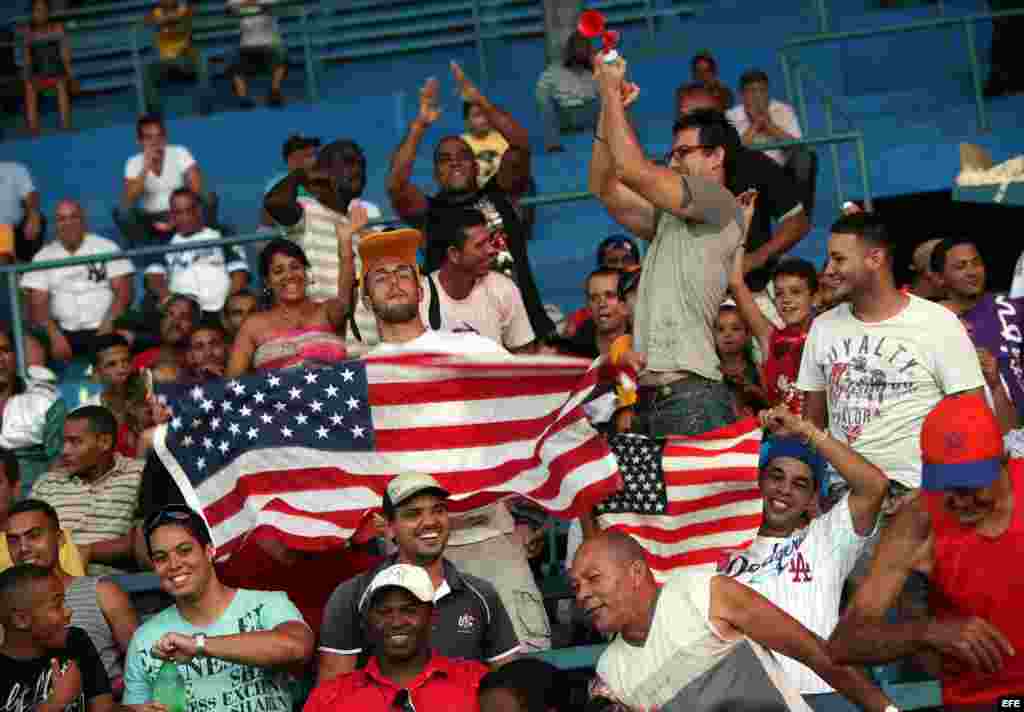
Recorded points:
(486, 427)
(714, 504)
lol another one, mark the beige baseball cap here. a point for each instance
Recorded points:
(405, 486)
(411, 578)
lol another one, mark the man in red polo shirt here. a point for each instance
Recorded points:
(403, 673)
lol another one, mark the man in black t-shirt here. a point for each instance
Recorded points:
(455, 170)
(45, 666)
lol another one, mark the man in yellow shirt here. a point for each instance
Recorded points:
(177, 57)
(10, 485)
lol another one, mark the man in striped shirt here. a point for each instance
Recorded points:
(94, 490)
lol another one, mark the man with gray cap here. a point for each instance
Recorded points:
(404, 673)
(470, 620)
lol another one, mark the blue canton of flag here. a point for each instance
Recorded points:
(324, 409)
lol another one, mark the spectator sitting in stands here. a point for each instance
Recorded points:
(151, 177)
(299, 152)
(567, 92)
(179, 316)
(10, 486)
(261, 48)
(98, 605)
(488, 145)
(795, 283)
(611, 315)
(455, 171)
(209, 274)
(925, 283)
(525, 685)
(615, 252)
(237, 309)
(396, 612)
(31, 413)
(46, 666)
(47, 58)
(761, 119)
(236, 641)
(177, 57)
(297, 331)
(112, 362)
(207, 355)
(794, 545)
(466, 294)
(732, 342)
(19, 208)
(94, 490)
(780, 198)
(74, 306)
(704, 70)
(471, 621)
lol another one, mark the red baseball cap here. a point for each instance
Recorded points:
(961, 444)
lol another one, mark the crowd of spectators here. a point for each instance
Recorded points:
(888, 412)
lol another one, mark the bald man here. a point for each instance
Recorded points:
(697, 642)
(71, 306)
(926, 283)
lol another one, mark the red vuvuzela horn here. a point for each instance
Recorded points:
(590, 24)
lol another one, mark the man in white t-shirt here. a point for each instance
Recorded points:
(761, 119)
(483, 542)
(149, 179)
(800, 561)
(875, 366)
(697, 643)
(75, 304)
(466, 294)
(209, 274)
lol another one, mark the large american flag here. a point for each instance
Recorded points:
(303, 455)
(690, 499)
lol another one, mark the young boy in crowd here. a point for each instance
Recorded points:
(795, 282)
(45, 665)
(113, 364)
(732, 341)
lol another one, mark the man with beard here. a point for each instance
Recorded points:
(180, 314)
(691, 221)
(310, 202)
(994, 321)
(403, 673)
(484, 542)
(964, 533)
(875, 365)
(471, 621)
(45, 665)
(455, 170)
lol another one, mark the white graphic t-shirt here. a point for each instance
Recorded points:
(803, 574)
(883, 378)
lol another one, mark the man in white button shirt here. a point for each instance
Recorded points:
(210, 274)
(149, 179)
(800, 560)
(75, 304)
(761, 119)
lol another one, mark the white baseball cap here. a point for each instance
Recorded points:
(413, 579)
(406, 486)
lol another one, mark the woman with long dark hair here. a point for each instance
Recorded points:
(296, 331)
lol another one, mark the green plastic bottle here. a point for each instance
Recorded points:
(169, 689)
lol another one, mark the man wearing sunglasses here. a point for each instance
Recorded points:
(691, 221)
(403, 674)
(234, 647)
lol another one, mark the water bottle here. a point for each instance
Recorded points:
(169, 689)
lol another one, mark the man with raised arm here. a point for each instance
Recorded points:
(691, 220)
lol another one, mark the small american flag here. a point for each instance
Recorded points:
(303, 455)
(689, 500)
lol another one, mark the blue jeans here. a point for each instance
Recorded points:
(691, 407)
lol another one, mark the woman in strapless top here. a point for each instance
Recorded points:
(297, 332)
